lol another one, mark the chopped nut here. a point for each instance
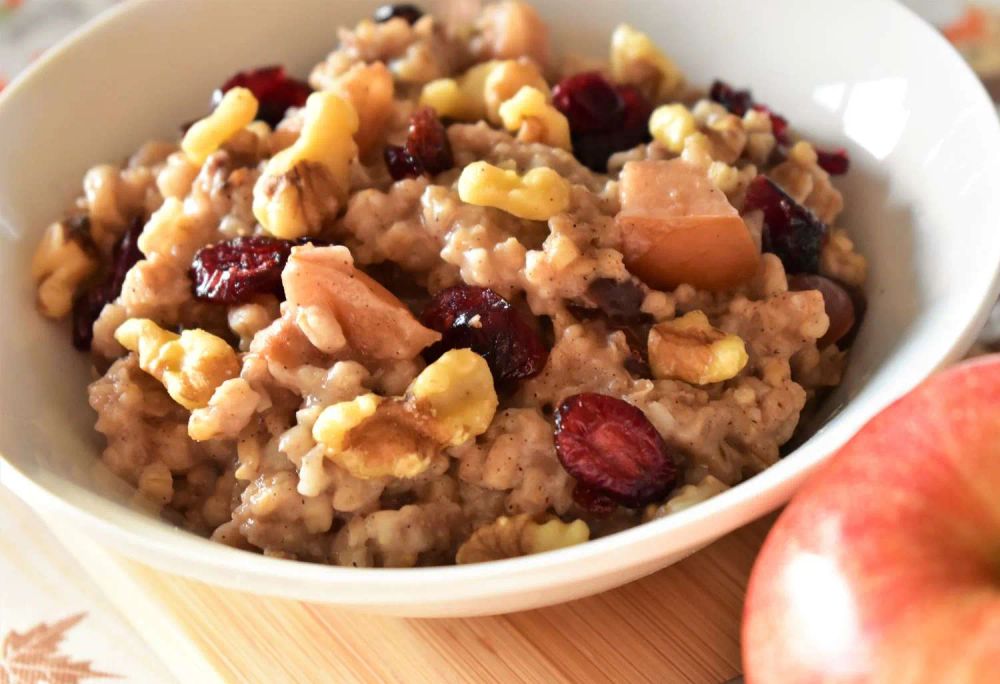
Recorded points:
(727, 138)
(636, 60)
(336, 421)
(480, 91)
(538, 195)
(229, 410)
(697, 150)
(528, 105)
(508, 78)
(670, 125)
(374, 437)
(457, 390)
(445, 96)
(760, 138)
(841, 261)
(685, 497)
(307, 182)
(190, 365)
(59, 267)
(462, 98)
(451, 401)
(237, 110)
(165, 231)
(801, 176)
(728, 178)
(520, 535)
(690, 349)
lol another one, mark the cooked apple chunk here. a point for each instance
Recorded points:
(677, 227)
(336, 305)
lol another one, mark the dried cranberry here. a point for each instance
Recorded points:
(479, 319)
(590, 103)
(126, 255)
(603, 118)
(88, 307)
(274, 89)
(427, 149)
(836, 300)
(233, 271)
(835, 163)
(611, 448)
(739, 102)
(593, 501)
(400, 164)
(427, 141)
(637, 110)
(594, 149)
(411, 13)
(452, 306)
(790, 230)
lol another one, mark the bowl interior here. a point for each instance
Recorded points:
(922, 137)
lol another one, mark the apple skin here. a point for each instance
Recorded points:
(886, 565)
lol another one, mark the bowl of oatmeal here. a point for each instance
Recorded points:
(431, 300)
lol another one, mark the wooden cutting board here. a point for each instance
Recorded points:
(679, 625)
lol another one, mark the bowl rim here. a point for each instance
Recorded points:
(194, 556)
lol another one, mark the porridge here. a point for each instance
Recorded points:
(454, 299)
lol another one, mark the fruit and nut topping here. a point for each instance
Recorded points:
(61, 265)
(308, 182)
(91, 303)
(612, 448)
(453, 299)
(635, 60)
(535, 120)
(538, 195)
(275, 91)
(520, 535)
(604, 118)
(237, 270)
(678, 227)
(427, 149)
(790, 230)
(690, 349)
(235, 111)
(480, 92)
(448, 403)
(481, 320)
(686, 497)
(191, 365)
(337, 305)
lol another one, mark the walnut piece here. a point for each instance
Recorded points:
(520, 535)
(690, 349)
(450, 402)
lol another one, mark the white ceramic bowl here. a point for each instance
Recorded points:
(921, 202)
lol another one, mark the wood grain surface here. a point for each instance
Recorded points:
(678, 625)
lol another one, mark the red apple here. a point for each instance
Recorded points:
(886, 566)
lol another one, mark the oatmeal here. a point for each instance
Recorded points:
(453, 299)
